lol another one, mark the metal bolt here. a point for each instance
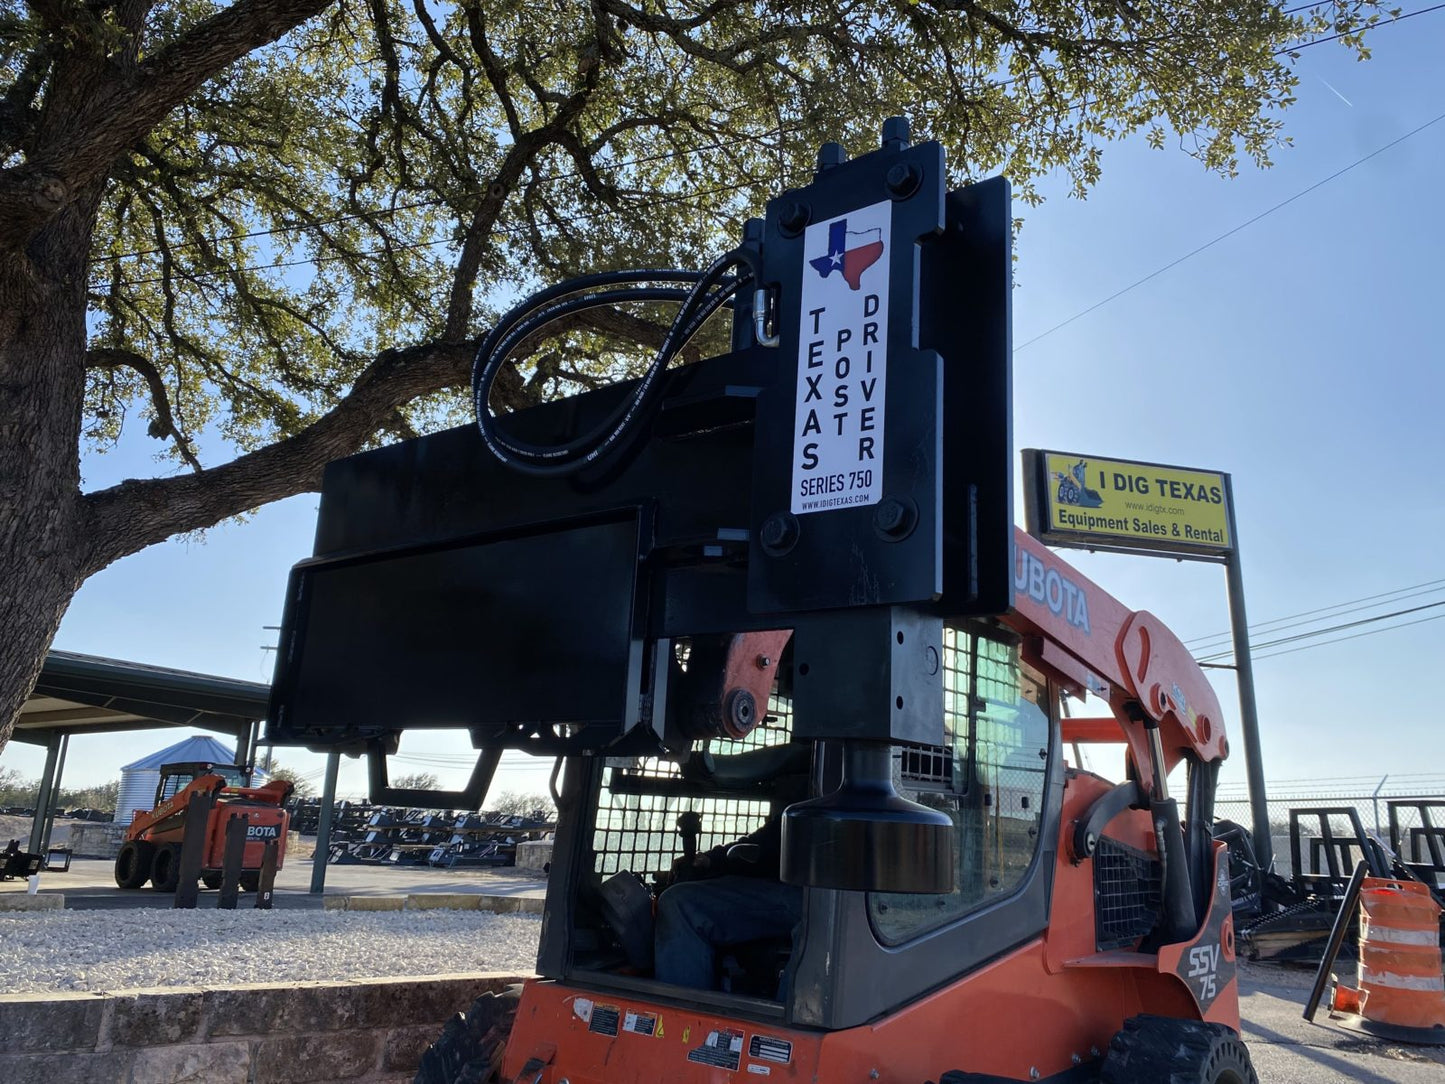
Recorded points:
(872, 1074)
(764, 662)
(1093, 1051)
(793, 217)
(779, 533)
(894, 518)
(903, 179)
(1077, 1060)
(1033, 1073)
(830, 155)
(895, 133)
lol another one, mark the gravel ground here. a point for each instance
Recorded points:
(115, 950)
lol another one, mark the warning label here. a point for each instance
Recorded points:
(723, 1049)
(604, 1020)
(767, 1048)
(639, 1023)
(842, 362)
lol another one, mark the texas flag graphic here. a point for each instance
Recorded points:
(849, 253)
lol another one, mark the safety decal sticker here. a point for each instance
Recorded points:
(604, 1019)
(639, 1023)
(723, 1050)
(842, 361)
(761, 1070)
(769, 1048)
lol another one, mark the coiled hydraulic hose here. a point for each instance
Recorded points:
(707, 292)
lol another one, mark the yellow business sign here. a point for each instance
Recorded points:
(1082, 499)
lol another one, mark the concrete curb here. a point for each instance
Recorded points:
(428, 901)
(23, 901)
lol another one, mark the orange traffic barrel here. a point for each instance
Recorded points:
(1401, 993)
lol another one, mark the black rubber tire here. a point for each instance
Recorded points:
(250, 880)
(133, 864)
(471, 1046)
(211, 880)
(1164, 1050)
(166, 869)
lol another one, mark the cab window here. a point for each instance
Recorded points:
(989, 778)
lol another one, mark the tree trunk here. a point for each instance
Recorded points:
(42, 386)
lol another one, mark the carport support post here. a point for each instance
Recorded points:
(323, 825)
(55, 793)
(46, 794)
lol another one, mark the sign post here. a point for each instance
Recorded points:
(1126, 506)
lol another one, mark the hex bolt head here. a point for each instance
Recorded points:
(793, 217)
(779, 534)
(830, 155)
(894, 519)
(896, 133)
(903, 179)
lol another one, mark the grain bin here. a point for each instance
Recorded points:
(138, 781)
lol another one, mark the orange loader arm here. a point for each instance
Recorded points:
(152, 820)
(1091, 641)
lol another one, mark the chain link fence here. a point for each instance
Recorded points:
(1369, 797)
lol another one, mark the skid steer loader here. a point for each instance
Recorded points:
(802, 679)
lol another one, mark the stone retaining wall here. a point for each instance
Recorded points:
(96, 839)
(371, 1031)
(534, 855)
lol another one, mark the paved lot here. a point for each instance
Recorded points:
(90, 884)
(1286, 1050)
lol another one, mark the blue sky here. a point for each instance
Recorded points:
(1302, 355)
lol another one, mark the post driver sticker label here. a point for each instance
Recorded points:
(842, 361)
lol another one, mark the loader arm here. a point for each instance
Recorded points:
(1092, 642)
(175, 806)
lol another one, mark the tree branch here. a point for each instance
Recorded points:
(66, 163)
(163, 426)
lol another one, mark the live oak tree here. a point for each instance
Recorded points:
(272, 231)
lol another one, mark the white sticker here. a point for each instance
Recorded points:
(761, 1070)
(582, 1009)
(842, 361)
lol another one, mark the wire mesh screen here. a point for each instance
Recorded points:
(638, 832)
(1126, 894)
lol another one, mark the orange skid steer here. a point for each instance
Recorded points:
(152, 848)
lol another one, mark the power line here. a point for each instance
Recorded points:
(1200, 642)
(1359, 30)
(1230, 233)
(1335, 628)
(511, 231)
(1356, 636)
(439, 201)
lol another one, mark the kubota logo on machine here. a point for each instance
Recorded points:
(263, 831)
(1049, 587)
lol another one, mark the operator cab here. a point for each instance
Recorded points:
(996, 778)
(177, 777)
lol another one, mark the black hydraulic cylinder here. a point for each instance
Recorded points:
(231, 861)
(1178, 920)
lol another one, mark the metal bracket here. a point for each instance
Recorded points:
(382, 793)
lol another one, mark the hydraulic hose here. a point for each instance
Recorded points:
(701, 296)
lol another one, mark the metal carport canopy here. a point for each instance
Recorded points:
(87, 694)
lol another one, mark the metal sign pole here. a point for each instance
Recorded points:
(1244, 677)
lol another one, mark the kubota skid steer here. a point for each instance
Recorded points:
(152, 847)
(791, 568)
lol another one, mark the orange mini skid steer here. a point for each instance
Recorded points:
(803, 681)
(152, 848)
